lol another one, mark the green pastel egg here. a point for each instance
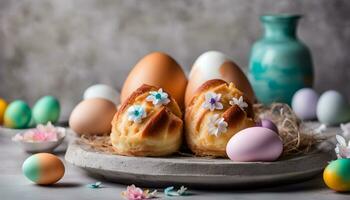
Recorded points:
(17, 115)
(337, 175)
(46, 109)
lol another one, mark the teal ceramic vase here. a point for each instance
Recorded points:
(280, 63)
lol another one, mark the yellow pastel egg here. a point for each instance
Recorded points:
(337, 175)
(3, 106)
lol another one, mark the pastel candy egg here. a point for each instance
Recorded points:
(43, 168)
(332, 108)
(17, 115)
(269, 124)
(337, 175)
(304, 103)
(3, 106)
(46, 109)
(102, 91)
(254, 144)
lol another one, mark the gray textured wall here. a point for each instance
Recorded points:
(60, 47)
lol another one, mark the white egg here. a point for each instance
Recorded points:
(102, 91)
(332, 108)
(304, 103)
(216, 65)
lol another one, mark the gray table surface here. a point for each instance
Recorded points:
(13, 185)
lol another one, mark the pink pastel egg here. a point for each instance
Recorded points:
(254, 144)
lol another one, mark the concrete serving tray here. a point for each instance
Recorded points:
(196, 172)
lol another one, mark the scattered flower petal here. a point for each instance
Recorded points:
(182, 190)
(136, 113)
(217, 125)
(239, 102)
(95, 185)
(212, 101)
(158, 97)
(169, 191)
(135, 193)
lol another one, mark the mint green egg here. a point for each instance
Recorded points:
(31, 168)
(17, 115)
(46, 109)
(31, 123)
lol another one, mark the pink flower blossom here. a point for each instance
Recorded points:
(41, 133)
(135, 193)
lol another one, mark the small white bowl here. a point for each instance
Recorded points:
(48, 146)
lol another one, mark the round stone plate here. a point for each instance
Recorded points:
(193, 171)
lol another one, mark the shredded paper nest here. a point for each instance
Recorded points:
(296, 140)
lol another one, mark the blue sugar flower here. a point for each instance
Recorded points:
(169, 191)
(158, 97)
(136, 113)
(95, 185)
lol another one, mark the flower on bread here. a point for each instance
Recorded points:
(158, 97)
(217, 125)
(212, 101)
(136, 113)
(239, 102)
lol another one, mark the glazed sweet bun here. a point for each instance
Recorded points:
(216, 112)
(148, 123)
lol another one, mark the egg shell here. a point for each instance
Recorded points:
(160, 70)
(304, 103)
(332, 108)
(92, 117)
(46, 109)
(337, 175)
(254, 144)
(102, 91)
(3, 106)
(17, 115)
(269, 124)
(43, 168)
(216, 65)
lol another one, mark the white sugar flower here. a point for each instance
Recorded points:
(342, 149)
(212, 101)
(239, 102)
(136, 113)
(217, 125)
(346, 130)
(158, 97)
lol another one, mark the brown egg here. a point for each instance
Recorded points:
(160, 70)
(216, 65)
(92, 117)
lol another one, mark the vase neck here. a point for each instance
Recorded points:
(280, 26)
